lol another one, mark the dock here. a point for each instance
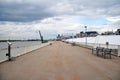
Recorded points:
(61, 61)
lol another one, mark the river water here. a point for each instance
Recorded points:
(4, 45)
(17, 48)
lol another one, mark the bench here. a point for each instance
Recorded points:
(102, 51)
(107, 52)
(98, 50)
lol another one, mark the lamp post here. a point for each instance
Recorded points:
(86, 36)
(72, 37)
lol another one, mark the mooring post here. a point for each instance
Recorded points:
(9, 51)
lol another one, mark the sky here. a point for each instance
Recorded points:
(22, 19)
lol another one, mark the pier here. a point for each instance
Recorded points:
(61, 61)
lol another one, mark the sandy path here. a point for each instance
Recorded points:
(61, 61)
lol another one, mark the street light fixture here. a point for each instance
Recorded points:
(86, 36)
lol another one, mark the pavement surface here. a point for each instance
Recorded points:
(61, 61)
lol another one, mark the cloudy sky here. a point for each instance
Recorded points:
(22, 19)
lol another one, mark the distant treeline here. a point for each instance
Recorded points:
(44, 41)
(33, 40)
(9, 40)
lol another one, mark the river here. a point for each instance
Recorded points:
(18, 48)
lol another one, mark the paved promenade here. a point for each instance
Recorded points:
(61, 61)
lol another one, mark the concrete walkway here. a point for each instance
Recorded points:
(61, 61)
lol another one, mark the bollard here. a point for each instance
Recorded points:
(107, 44)
(119, 50)
(50, 43)
(9, 51)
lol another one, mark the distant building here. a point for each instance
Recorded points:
(63, 37)
(59, 37)
(117, 32)
(77, 35)
(81, 34)
(91, 33)
(88, 33)
(108, 33)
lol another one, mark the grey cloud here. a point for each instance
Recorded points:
(88, 7)
(32, 10)
(23, 12)
(97, 7)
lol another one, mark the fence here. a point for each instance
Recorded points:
(115, 51)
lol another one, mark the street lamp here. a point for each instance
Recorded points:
(86, 36)
(72, 37)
